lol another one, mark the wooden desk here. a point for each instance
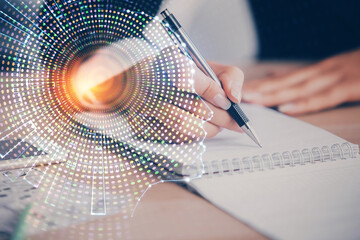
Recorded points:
(343, 121)
(168, 211)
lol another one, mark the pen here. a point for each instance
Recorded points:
(181, 36)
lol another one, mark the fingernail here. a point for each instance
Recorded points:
(222, 101)
(288, 107)
(251, 96)
(236, 93)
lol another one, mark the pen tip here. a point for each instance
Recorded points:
(251, 133)
(256, 140)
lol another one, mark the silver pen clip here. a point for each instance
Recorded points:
(175, 38)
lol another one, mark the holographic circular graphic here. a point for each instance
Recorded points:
(98, 97)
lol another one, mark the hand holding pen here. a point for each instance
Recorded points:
(229, 103)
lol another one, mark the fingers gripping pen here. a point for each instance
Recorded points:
(172, 24)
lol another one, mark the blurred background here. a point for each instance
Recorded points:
(234, 31)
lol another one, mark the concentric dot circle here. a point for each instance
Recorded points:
(129, 121)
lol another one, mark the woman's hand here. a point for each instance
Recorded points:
(323, 85)
(103, 91)
(232, 80)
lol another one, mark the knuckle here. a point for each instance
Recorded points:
(209, 90)
(235, 71)
(225, 77)
(232, 74)
(229, 122)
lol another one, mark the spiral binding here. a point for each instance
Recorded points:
(280, 160)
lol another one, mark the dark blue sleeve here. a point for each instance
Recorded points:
(307, 30)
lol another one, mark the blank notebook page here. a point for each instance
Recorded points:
(319, 200)
(277, 133)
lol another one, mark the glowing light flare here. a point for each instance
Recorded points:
(100, 80)
(105, 85)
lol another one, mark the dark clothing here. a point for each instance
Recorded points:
(297, 29)
(308, 30)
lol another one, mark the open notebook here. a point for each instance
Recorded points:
(303, 184)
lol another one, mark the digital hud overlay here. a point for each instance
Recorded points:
(97, 104)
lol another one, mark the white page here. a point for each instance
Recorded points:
(311, 201)
(315, 201)
(277, 133)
